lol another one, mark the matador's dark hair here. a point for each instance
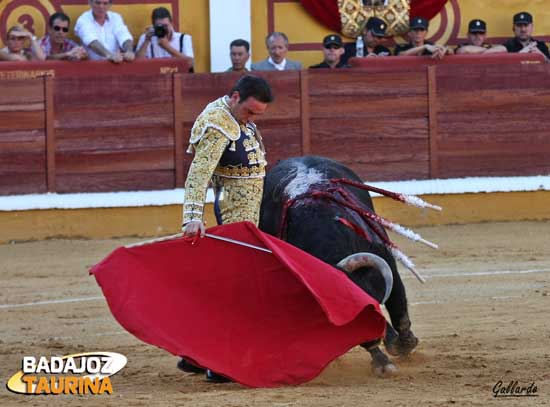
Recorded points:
(253, 86)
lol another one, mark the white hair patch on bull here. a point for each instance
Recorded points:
(304, 178)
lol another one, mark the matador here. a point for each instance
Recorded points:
(230, 153)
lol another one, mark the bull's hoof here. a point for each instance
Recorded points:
(384, 371)
(381, 364)
(403, 345)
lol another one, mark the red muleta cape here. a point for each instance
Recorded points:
(261, 319)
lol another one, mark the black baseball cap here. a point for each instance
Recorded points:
(418, 22)
(477, 26)
(523, 18)
(332, 39)
(377, 26)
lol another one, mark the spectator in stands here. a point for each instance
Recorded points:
(104, 34)
(373, 34)
(161, 41)
(477, 34)
(417, 44)
(239, 52)
(55, 43)
(277, 46)
(15, 49)
(523, 41)
(333, 49)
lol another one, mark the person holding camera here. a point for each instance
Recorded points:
(161, 41)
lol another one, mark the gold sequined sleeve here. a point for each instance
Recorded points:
(208, 152)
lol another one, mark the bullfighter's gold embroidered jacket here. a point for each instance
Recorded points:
(232, 156)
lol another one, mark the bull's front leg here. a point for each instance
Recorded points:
(381, 364)
(405, 341)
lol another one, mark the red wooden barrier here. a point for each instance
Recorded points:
(22, 137)
(110, 132)
(405, 62)
(377, 124)
(494, 121)
(63, 69)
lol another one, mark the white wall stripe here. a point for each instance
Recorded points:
(176, 196)
(229, 20)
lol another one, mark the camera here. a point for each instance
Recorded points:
(160, 31)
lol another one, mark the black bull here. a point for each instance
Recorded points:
(297, 207)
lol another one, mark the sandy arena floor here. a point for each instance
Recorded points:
(482, 317)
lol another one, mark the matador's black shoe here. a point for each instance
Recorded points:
(214, 377)
(189, 367)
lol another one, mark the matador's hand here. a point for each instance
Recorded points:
(193, 227)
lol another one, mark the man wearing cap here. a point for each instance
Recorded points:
(417, 44)
(523, 42)
(477, 34)
(333, 49)
(373, 34)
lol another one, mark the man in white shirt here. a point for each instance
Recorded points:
(277, 46)
(161, 41)
(104, 34)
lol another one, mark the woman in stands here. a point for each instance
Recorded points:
(16, 50)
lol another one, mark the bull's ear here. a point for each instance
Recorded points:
(358, 260)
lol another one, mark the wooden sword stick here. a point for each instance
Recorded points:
(177, 235)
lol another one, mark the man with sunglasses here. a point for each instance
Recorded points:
(333, 49)
(104, 34)
(56, 45)
(16, 49)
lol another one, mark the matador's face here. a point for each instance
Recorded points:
(247, 110)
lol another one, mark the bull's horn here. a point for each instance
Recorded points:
(354, 261)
